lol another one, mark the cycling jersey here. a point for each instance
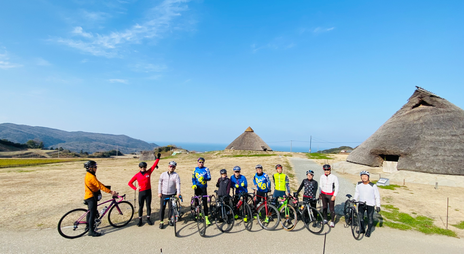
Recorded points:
(143, 178)
(310, 188)
(262, 182)
(368, 193)
(93, 185)
(241, 179)
(281, 182)
(200, 176)
(329, 184)
(169, 183)
(223, 185)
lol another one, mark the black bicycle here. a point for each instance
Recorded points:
(243, 210)
(175, 213)
(223, 215)
(311, 217)
(352, 218)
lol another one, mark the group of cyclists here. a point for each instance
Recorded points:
(169, 186)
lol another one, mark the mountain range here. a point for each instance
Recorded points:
(74, 140)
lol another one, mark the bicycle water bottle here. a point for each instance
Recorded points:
(174, 204)
(104, 210)
(239, 204)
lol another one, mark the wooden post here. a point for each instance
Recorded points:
(403, 181)
(447, 208)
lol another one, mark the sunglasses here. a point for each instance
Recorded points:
(171, 166)
(201, 162)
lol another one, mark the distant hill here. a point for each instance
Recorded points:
(73, 141)
(336, 150)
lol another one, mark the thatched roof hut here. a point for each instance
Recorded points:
(249, 140)
(425, 135)
(147, 156)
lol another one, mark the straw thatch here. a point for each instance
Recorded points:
(249, 140)
(425, 135)
(147, 156)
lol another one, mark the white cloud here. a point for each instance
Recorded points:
(116, 80)
(322, 30)
(5, 63)
(42, 62)
(158, 21)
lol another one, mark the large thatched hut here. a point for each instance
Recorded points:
(425, 135)
(249, 140)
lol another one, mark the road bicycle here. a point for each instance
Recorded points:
(267, 215)
(223, 215)
(74, 223)
(243, 210)
(198, 213)
(288, 214)
(352, 218)
(175, 213)
(311, 217)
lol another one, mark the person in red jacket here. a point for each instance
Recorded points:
(143, 179)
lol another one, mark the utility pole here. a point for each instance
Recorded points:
(310, 139)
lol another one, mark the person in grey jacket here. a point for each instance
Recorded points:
(168, 186)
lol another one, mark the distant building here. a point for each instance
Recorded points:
(249, 140)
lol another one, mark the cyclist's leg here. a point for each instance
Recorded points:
(92, 206)
(169, 206)
(277, 194)
(324, 206)
(370, 216)
(361, 209)
(142, 197)
(331, 207)
(148, 201)
(205, 201)
(162, 208)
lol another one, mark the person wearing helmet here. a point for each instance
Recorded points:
(261, 182)
(281, 184)
(200, 176)
(368, 193)
(310, 189)
(92, 195)
(144, 188)
(223, 185)
(329, 190)
(239, 182)
(168, 186)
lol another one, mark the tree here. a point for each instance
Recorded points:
(32, 144)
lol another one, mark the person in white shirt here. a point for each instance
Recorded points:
(329, 190)
(368, 193)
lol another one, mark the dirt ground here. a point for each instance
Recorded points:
(36, 197)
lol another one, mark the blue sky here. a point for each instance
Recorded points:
(203, 71)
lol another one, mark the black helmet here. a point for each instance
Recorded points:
(278, 166)
(310, 172)
(142, 164)
(223, 171)
(90, 164)
(326, 167)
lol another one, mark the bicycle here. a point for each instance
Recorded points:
(223, 215)
(243, 210)
(74, 223)
(311, 217)
(198, 212)
(268, 216)
(175, 213)
(287, 213)
(352, 218)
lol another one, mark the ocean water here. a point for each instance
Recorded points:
(206, 147)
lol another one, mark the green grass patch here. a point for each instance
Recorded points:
(388, 187)
(9, 163)
(396, 225)
(459, 225)
(251, 155)
(318, 156)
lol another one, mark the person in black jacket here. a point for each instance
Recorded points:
(223, 185)
(310, 189)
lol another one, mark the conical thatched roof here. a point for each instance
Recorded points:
(426, 135)
(249, 140)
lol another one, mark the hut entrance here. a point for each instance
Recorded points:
(390, 162)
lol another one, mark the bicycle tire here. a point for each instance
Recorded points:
(288, 218)
(247, 216)
(174, 221)
(73, 224)
(272, 216)
(212, 201)
(201, 221)
(224, 218)
(315, 221)
(251, 203)
(355, 224)
(121, 214)
(347, 213)
(193, 213)
(179, 209)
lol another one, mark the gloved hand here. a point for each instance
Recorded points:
(377, 209)
(236, 186)
(159, 155)
(194, 187)
(156, 166)
(243, 184)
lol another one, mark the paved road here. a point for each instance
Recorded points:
(150, 239)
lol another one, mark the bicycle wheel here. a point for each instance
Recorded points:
(179, 208)
(121, 214)
(355, 224)
(268, 220)
(347, 213)
(247, 216)
(288, 217)
(224, 218)
(174, 218)
(73, 224)
(212, 201)
(201, 221)
(313, 221)
(193, 213)
(251, 203)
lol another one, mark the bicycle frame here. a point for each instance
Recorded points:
(113, 202)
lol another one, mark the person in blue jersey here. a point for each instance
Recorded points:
(200, 177)
(261, 182)
(239, 184)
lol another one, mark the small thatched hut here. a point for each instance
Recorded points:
(425, 135)
(249, 140)
(147, 156)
